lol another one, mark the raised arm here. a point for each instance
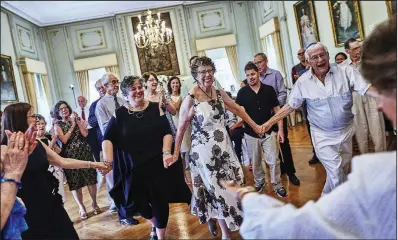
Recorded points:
(238, 110)
(281, 135)
(60, 134)
(186, 114)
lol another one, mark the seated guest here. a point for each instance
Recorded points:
(340, 57)
(45, 216)
(365, 206)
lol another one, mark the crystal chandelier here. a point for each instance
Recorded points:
(153, 32)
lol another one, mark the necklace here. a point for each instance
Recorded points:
(138, 113)
(211, 93)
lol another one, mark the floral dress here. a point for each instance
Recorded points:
(212, 159)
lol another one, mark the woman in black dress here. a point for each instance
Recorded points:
(72, 131)
(46, 216)
(138, 142)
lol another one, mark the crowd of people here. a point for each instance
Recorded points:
(142, 143)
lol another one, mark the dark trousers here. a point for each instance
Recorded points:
(308, 125)
(93, 142)
(287, 165)
(236, 137)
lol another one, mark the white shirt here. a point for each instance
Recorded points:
(364, 207)
(78, 110)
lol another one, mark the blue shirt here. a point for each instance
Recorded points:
(92, 120)
(274, 79)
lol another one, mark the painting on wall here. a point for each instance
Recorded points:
(162, 60)
(391, 8)
(25, 37)
(211, 20)
(91, 38)
(346, 21)
(7, 81)
(306, 22)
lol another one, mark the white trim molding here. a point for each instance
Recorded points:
(216, 42)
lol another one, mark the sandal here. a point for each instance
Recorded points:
(83, 214)
(153, 235)
(97, 210)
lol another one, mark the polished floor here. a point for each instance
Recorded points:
(182, 225)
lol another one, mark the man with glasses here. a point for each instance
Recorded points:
(104, 111)
(300, 66)
(327, 91)
(368, 120)
(274, 79)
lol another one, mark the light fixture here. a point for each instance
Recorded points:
(153, 32)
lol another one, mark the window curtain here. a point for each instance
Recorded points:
(278, 50)
(82, 81)
(233, 61)
(29, 79)
(264, 45)
(201, 53)
(46, 87)
(112, 69)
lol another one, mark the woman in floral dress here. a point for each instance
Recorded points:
(212, 157)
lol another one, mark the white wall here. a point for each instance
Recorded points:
(372, 12)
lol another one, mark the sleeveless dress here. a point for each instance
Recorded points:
(77, 148)
(45, 215)
(212, 159)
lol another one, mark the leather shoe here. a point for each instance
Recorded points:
(314, 160)
(294, 180)
(212, 226)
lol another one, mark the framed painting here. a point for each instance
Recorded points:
(346, 21)
(391, 8)
(162, 60)
(306, 22)
(7, 81)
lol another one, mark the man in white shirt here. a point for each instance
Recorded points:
(368, 121)
(327, 91)
(82, 110)
(365, 206)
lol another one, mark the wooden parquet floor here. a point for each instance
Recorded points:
(182, 225)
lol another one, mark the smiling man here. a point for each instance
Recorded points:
(327, 91)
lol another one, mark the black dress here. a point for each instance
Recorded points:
(45, 216)
(141, 183)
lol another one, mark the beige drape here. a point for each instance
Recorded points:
(29, 79)
(264, 45)
(82, 81)
(46, 87)
(112, 69)
(201, 53)
(279, 54)
(233, 61)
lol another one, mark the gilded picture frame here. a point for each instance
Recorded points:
(7, 81)
(346, 21)
(391, 8)
(307, 29)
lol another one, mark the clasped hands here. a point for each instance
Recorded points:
(262, 129)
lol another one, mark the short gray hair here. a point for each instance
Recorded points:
(314, 46)
(105, 77)
(128, 81)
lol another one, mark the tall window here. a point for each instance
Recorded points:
(224, 73)
(271, 53)
(43, 107)
(93, 76)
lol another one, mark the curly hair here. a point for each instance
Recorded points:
(198, 62)
(56, 109)
(128, 81)
(169, 85)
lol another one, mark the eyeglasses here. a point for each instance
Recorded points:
(355, 48)
(210, 71)
(300, 53)
(114, 82)
(314, 58)
(259, 62)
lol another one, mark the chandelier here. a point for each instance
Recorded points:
(153, 32)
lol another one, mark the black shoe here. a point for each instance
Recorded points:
(314, 160)
(153, 235)
(130, 221)
(281, 192)
(212, 226)
(260, 187)
(294, 180)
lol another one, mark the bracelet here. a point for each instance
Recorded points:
(167, 153)
(4, 180)
(108, 163)
(89, 164)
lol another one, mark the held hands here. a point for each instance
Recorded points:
(236, 190)
(169, 160)
(266, 127)
(100, 166)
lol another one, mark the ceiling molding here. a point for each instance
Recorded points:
(25, 11)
